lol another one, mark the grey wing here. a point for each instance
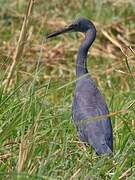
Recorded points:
(88, 108)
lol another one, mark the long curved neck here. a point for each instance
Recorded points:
(81, 67)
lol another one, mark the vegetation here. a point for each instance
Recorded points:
(37, 137)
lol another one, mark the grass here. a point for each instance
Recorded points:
(37, 137)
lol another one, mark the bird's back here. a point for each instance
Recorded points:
(89, 115)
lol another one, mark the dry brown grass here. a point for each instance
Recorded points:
(20, 45)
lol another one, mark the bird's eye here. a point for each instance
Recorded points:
(75, 25)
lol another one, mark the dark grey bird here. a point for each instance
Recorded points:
(89, 110)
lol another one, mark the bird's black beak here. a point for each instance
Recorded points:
(61, 31)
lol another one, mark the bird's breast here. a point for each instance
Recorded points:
(88, 101)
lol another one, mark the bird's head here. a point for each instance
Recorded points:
(79, 25)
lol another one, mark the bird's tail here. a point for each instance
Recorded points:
(103, 150)
(101, 147)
